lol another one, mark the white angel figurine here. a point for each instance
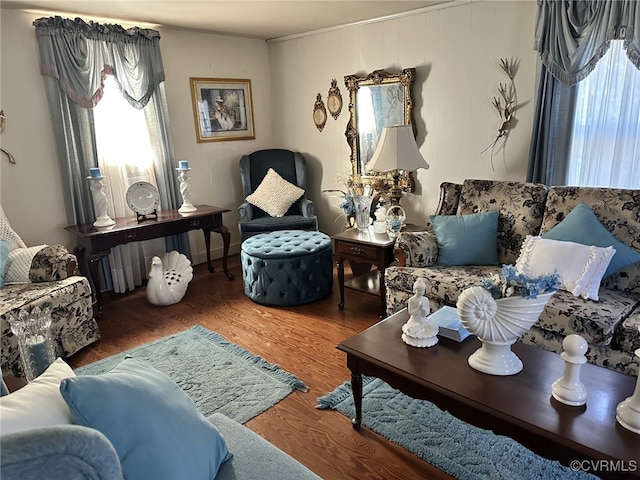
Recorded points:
(419, 331)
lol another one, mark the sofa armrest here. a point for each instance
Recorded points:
(64, 451)
(246, 211)
(449, 198)
(254, 457)
(307, 207)
(416, 249)
(52, 263)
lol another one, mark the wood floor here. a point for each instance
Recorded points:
(301, 340)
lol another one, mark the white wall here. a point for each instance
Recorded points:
(456, 52)
(31, 190)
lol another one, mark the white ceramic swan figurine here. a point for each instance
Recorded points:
(169, 278)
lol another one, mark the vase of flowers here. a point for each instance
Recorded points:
(362, 204)
(499, 312)
(357, 200)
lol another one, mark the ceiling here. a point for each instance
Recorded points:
(261, 19)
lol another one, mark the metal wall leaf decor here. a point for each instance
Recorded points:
(506, 105)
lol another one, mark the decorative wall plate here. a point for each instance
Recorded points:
(319, 113)
(143, 198)
(334, 100)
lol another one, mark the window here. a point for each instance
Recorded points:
(125, 156)
(605, 140)
(122, 141)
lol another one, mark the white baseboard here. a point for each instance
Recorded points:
(216, 253)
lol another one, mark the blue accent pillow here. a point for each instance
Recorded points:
(466, 239)
(4, 254)
(581, 225)
(154, 426)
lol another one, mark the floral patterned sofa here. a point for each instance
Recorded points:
(610, 325)
(51, 282)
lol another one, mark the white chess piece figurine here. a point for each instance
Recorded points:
(568, 389)
(628, 410)
(419, 331)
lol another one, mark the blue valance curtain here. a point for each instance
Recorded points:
(79, 54)
(75, 58)
(570, 37)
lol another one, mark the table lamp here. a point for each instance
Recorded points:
(396, 151)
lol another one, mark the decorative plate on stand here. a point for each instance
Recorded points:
(143, 198)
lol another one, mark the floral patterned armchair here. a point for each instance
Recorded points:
(47, 280)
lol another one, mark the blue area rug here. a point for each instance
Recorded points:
(218, 375)
(451, 445)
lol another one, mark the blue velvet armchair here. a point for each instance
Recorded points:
(290, 166)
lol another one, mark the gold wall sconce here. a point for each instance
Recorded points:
(2, 125)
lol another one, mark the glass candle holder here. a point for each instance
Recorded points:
(395, 220)
(32, 328)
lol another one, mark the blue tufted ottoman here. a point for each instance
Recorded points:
(287, 267)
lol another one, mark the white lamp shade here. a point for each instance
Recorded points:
(397, 150)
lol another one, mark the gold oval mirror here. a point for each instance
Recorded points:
(377, 100)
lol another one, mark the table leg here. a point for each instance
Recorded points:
(383, 294)
(226, 240)
(88, 264)
(340, 268)
(207, 247)
(356, 387)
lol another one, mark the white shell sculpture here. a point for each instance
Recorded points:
(498, 324)
(169, 277)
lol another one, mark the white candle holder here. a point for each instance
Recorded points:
(628, 411)
(100, 202)
(185, 190)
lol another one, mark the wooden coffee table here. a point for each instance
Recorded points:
(519, 406)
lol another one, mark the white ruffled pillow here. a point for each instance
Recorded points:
(39, 403)
(275, 195)
(581, 267)
(19, 264)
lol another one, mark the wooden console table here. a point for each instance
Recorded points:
(96, 243)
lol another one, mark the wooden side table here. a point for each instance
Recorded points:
(365, 246)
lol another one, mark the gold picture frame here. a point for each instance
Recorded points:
(222, 109)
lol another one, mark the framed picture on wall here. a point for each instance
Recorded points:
(222, 109)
